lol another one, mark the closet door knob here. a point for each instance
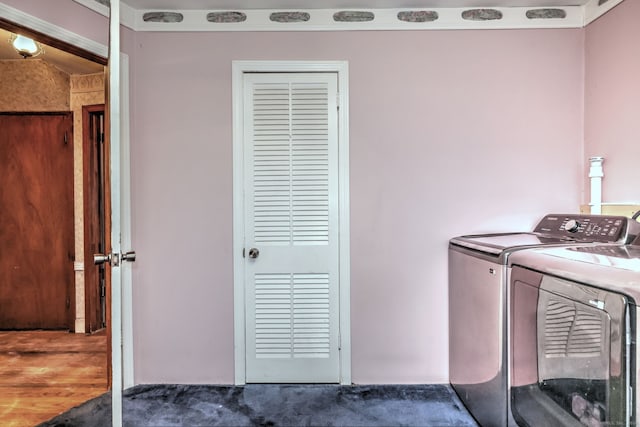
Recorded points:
(253, 253)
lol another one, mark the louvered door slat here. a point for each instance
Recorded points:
(272, 315)
(310, 168)
(271, 164)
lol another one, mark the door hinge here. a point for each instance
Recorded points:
(68, 302)
(243, 253)
(101, 138)
(338, 101)
(66, 138)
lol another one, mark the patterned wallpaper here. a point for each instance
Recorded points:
(33, 85)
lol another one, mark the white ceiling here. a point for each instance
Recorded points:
(339, 4)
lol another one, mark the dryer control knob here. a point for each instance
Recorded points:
(571, 226)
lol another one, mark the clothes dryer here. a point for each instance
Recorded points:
(574, 358)
(478, 303)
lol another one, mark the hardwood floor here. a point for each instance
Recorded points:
(44, 373)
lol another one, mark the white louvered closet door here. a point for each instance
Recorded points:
(291, 203)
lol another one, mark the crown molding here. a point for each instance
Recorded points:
(596, 8)
(127, 13)
(384, 19)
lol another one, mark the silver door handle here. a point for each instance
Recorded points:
(129, 256)
(253, 253)
(99, 259)
(114, 259)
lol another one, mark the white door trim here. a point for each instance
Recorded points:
(125, 307)
(113, 104)
(342, 69)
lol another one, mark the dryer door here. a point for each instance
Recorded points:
(570, 356)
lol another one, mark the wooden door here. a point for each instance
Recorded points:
(95, 215)
(36, 221)
(291, 218)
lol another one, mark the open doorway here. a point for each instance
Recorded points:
(45, 358)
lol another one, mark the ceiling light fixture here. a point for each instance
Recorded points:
(26, 47)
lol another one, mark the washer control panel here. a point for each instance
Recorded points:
(591, 228)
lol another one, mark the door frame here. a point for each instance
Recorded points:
(91, 287)
(341, 68)
(44, 28)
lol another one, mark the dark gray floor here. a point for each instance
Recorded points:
(276, 405)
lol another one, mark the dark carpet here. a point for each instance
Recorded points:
(276, 405)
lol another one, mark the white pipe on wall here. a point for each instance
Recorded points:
(596, 173)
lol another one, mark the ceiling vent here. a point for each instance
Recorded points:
(481, 15)
(168, 17)
(418, 15)
(226, 17)
(353, 16)
(546, 14)
(289, 17)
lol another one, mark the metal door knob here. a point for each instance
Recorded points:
(129, 256)
(101, 259)
(253, 253)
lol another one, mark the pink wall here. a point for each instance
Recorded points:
(612, 100)
(451, 132)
